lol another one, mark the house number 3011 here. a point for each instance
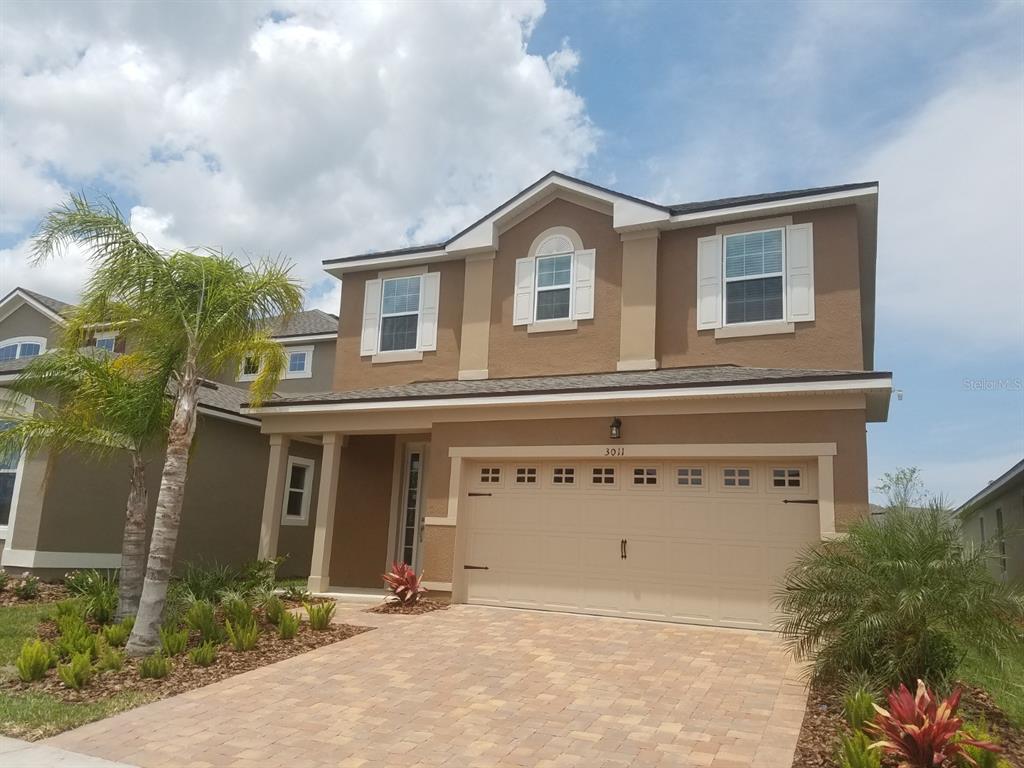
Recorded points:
(614, 451)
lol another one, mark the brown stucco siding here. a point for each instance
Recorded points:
(594, 345)
(363, 513)
(28, 321)
(438, 554)
(351, 371)
(832, 340)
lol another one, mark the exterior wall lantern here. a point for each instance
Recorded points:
(615, 431)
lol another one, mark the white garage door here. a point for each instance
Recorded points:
(702, 542)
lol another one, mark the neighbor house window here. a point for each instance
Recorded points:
(299, 491)
(106, 340)
(554, 281)
(249, 369)
(8, 474)
(736, 477)
(753, 276)
(300, 362)
(1001, 541)
(12, 349)
(399, 313)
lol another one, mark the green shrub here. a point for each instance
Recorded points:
(259, 575)
(98, 592)
(320, 614)
(205, 581)
(173, 642)
(35, 658)
(243, 636)
(899, 600)
(297, 593)
(156, 666)
(203, 655)
(273, 608)
(201, 617)
(77, 672)
(855, 752)
(982, 758)
(287, 625)
(118, 634)
(859, 707)
(237, 609)
(27, 587)
(4, 578)
(75, 637)
(70, 607)
(107, 657)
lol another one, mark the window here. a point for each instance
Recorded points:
(645, 476)
(981, 528)
(490, 475)
(300, 362)
(29, 346)
(786, 478)
(8, 475)
(106, 340)
(554, 278)
(399, 313)
(298, 491)
(690, 476)
(526, 474)
(1001, 541)
(564, 476)
(735, 477)
(753, 276)
(603, 476)
(249, 369)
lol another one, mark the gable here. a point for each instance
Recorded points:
(27, 321)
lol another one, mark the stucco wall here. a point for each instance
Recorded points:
(323, 371)
(832, 340)
(1011, 503)
(27, 321)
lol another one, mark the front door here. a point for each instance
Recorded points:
(410, 528)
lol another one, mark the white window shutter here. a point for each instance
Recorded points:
(371, 318)
(799, 273)
(430, 292)
(583, 290)
(522, 306)
(709, 282)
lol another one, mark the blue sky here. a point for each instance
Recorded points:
(317, 130)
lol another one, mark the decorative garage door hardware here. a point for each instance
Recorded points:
(477, 493)
(475, 568)
(799, 501)
(622, 549)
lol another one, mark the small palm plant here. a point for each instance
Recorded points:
(899, 600)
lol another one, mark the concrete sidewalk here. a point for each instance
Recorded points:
(15, 753)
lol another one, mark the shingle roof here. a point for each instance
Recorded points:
(307, 323)
(770, 197)
(665, 378)
(52, 304)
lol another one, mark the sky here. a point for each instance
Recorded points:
(317, 130)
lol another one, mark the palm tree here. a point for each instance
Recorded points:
(102, 406)
(197, 313)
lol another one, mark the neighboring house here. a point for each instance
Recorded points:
(589, 402)
(60, 512)
(994, 516)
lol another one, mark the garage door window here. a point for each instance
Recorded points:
(691, 477)
(645, 476)
(490, 475)
(526, 475)
(603, 476)
(786, 478)
(564, 476)
(736, 477)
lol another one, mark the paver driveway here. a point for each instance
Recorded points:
(474, 686)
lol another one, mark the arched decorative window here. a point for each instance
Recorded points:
(22, 346)
(555, 282)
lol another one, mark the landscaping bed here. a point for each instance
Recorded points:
(425, 605)
(45, 593)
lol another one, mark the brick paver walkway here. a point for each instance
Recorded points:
(475, 686)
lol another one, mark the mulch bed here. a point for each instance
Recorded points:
(425, 605)
(48, 593)
(824, 723)
(184, 675)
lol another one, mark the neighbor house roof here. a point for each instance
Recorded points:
(55, 305)
(1004, 482)
(311, 322)
(579, 384)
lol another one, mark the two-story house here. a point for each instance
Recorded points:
(59, 512)
(589, 402)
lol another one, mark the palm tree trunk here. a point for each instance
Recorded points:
(133, 543)
(145, 638)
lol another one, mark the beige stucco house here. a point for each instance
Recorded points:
(593, 403)
(994, 517)
(62, 512)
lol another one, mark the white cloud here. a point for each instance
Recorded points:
(956, 480)
(316, 132)
(951, 232)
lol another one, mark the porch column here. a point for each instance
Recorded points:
(273, 497)
(327, 499)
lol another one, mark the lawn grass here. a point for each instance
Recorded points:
(1006, 684)
(38, 715)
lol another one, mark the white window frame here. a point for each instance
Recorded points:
(307, 491)
(307, 371)
(570, 286)
(110, 336)
(737, 488)
(242, 375)
(787, 488)
(616, 471)
(20, 341)
(418, 313)
(726, 280)
(690, 469)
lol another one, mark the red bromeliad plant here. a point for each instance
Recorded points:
(922, 731)
(404, 584)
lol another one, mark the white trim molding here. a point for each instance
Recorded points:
(657, 450)
(19, 293)
(286, 340)
(31, 558)
(307, 490)
(307, 370)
